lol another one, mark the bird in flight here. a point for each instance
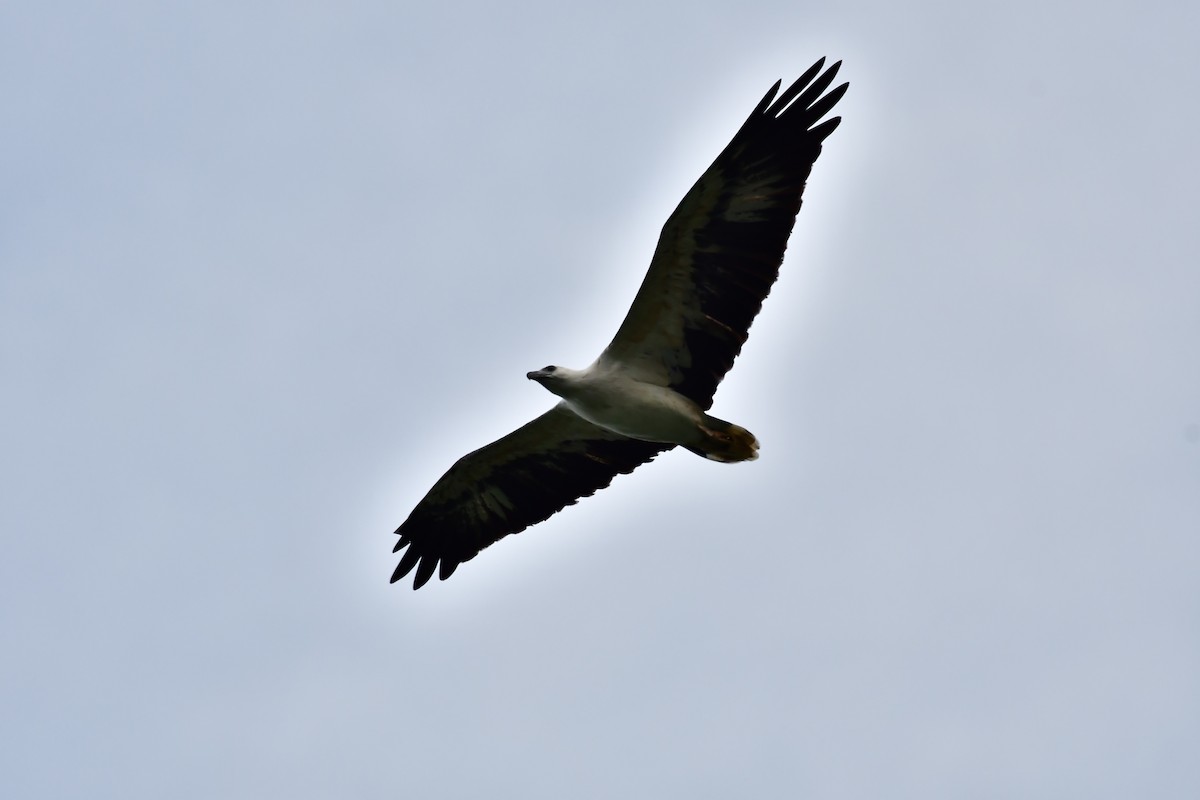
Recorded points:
(717, 257)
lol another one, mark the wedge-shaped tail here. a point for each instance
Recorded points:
(725, 442)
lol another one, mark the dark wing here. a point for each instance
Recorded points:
(721, 249)
(510, 484)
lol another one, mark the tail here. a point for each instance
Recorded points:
(725, 442)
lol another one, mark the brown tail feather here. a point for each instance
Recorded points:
(725, 442)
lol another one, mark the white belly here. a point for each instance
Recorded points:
(637, 410)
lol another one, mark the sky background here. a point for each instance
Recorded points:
(267, 269)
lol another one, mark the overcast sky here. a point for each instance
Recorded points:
(267, 269)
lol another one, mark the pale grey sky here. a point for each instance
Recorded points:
(268, 269)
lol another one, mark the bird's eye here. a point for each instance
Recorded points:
(548, 369)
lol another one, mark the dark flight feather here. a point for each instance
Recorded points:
(720, 251)
(510, 484)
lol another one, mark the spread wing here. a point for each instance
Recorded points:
(720, 251)
(510, 484)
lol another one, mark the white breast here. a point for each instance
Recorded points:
(618, 403)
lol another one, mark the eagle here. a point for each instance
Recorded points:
(649, 391)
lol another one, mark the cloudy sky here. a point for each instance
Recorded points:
(267, 269)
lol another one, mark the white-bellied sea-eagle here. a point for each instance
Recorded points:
(717, 257)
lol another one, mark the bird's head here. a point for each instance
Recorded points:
(544, 375)
(555, 379)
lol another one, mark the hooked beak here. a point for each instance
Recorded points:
(536, 374)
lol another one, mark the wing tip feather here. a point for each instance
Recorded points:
(424, 571)
(767, 99)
